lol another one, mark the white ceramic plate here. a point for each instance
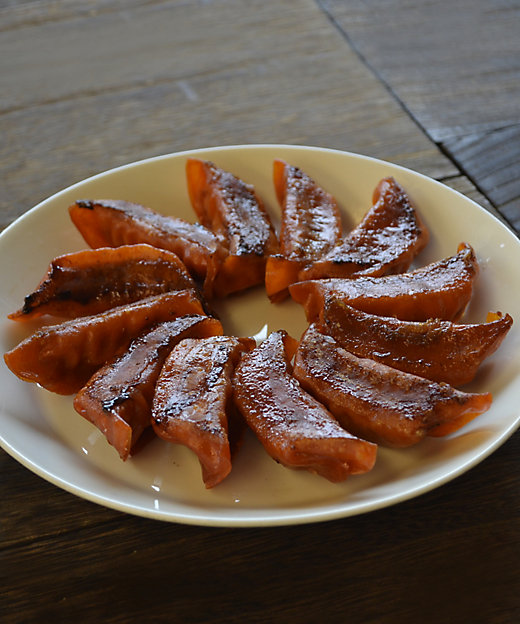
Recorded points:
(44, 433)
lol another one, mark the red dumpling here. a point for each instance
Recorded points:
(294, 428)
(193, 400)
(118, 397)
(63, 357)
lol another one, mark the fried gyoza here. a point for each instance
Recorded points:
(310, 227)
(94, 280)
(232, 210)
(294, 428)
(435, 349)
(63, 357)
(118, 397)
(439, 290)
(386, 241)
(377, 402)
(193, 400)
(111, 223)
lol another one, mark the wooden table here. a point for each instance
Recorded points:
(87, 86)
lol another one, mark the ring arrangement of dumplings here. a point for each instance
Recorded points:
(132, 334)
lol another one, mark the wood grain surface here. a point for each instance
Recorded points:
(434, 86)
(455, 67)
